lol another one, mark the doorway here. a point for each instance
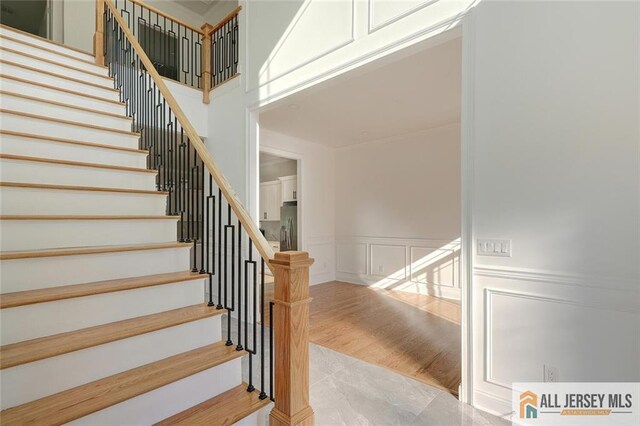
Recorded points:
(279, 209)
(385, 158)
(28, 16)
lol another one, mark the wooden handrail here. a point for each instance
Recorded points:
(166, 15)
(226, 19)
(230, 195)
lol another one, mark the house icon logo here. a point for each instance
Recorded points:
(528, 405)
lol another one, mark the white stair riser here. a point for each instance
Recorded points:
(18, 145)
(61, 96)
(43, 43)
(19, 123)
(44, 319)
(57, 81)
(62, 174)
(44, 234)
(46, 109)
(47, 272)
(15, 201)
(55, 69)
(66, 371)
(52, 56)
(168, 400)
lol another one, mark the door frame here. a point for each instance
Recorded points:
(299, 196)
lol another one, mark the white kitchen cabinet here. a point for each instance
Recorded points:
(289, 188)
(270, 200)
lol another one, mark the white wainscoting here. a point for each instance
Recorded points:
(323, 251)
(535, 318)
(423, 266)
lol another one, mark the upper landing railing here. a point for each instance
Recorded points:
(226, 244)
(198, 57)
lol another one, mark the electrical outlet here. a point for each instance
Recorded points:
(501, 248)
(550, 373)
(380, 268)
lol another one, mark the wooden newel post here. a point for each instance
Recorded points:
(206, 62)
(291, 339)
(98, 36)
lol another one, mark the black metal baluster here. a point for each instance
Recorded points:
(271, 361)
(219, 306)
(263, 394)
(239, 310)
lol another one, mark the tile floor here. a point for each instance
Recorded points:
(347, 391)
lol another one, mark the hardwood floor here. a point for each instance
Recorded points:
(415, 335)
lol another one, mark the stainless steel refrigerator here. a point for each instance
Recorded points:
(289, 226)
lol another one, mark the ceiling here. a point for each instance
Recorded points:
(408, 93)
(269, 159)
(201, 7)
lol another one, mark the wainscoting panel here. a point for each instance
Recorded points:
(424, 266)
(435, 266)
(526, 320)
(323, 251)
(388, 261)
(351, 257)
(385, 12)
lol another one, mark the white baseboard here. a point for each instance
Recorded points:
(492, 404)
(322, 278)
(402, 285)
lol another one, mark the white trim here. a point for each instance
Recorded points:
(493, 404)
(371, 28)
(425, 34)
(330, 50)
(467, 145)
(425, 288)
(551, 277)
(302, 242)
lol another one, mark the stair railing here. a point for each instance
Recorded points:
(223, 236)
(201, 58)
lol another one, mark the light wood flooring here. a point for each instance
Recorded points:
(414, 335)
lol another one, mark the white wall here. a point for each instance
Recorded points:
(297, 43)
(190, 100)
(79, 24)
(398, 212)
(553, 125)
(316, 198)
(226, 117)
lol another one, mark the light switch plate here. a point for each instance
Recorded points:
(501, 248)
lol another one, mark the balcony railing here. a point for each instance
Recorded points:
(202, 58)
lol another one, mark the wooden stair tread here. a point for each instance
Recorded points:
(48, 61)
(222, 410)
(75, 163)
(75, 251)
(41, 71)
(28, 297)
(60, 89)
(68, 122)
(35, 46)
(63, 105)
(82, 188)
(73, 142)
(83, 400)
(59, 344)
(88, 217)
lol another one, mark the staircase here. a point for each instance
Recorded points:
(102, 319)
